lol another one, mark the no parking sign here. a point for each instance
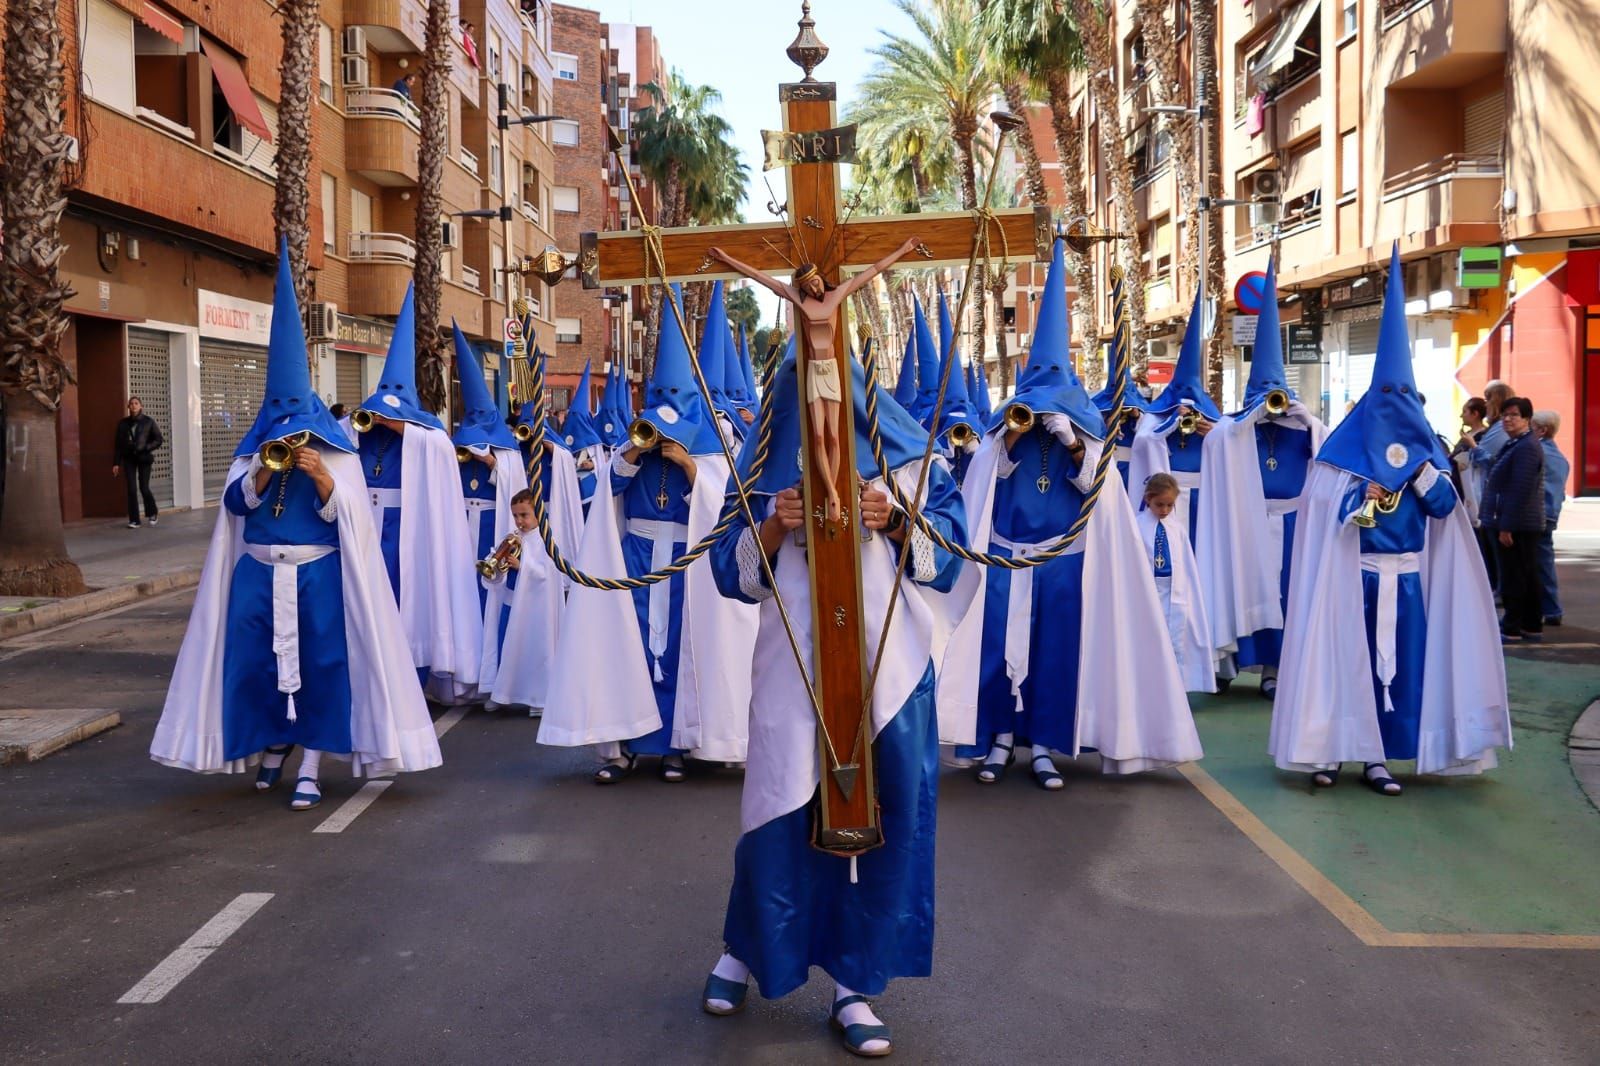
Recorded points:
(1251, 292)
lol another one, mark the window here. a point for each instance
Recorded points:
(566, 67)
(160, 77)
(565, 133)
(494, 56)
(564, 198)
(1351, 18)
(1349, 162)
(497, 273)
(360, 212)
(325, 62)
(330, 201)
(108, 56)
(496, 165)
(1163, 245)
(569, 331)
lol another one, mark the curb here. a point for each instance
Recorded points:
(1583, 751)
(73, 608)
(33, 746)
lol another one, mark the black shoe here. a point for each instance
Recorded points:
(133, 525)
(154, 519)
(1552, 619)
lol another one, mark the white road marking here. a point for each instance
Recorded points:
(341, 818)
(192, 952)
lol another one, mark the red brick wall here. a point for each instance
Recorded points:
(576, 31)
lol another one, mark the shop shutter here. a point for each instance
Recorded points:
(1363, 356)
(1484, 121)
(232, 380)
(150, 379)
(347, 379)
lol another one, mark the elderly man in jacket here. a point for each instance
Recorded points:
(1513, 506)
(1546, 424)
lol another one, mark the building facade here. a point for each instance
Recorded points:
(169, 225)
(1453, 127)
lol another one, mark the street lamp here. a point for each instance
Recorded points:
(502, 213)
(507, 121)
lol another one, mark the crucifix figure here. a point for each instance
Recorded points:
(817, 308)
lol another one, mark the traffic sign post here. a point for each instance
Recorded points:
(1250, 292)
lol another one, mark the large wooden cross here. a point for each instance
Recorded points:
(848, 822)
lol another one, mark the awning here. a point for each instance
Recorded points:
(1279, 51)
(162, 23)
(241, 101)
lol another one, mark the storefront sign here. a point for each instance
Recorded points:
(1244, 330)
(232, 318)
(1479, 268)
(1159, 372)
(1354, 292)
(1305, 343)
(364, 335)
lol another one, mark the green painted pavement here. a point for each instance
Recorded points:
(1516, 850)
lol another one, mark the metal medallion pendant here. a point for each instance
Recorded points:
(1272, 462)
(473, 484)
(377, 469)
(1043, 484)
(1160, 561)
(662, 499)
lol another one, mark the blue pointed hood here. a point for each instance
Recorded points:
(905, 387)
(903, 439)
(1049, 383)
(985, 405)
(579, 431)
(958, 408)
(947, 328)
(672, 400)
(396, 396)
(747, 388)
(1105, 398)
(289, 404)
(714, 355)
(1386, 436)
(609, 423)
(927, 366)
(1266, 356)
(481, 424)
(1188, 377)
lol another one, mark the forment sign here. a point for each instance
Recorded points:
(233, 318)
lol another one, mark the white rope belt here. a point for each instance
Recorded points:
(1276, 509)
(285, 560)
(1388, 566)
(382, 498)
(1019, 609)
(474, 503)
(663, 537)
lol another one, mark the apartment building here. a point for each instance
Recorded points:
(1457, 128)
(169, 226)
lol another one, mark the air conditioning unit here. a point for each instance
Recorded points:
(322, 321)
(451, 234)
(1155, 349)
(1264, 215)
(319, 352)
(356, 72)
(1265, 183)
(355, 41)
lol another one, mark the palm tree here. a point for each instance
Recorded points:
(1204, 20)
(291, 206)
(33, 156)
(434, 146)
(1162, 47)
(1039, 41)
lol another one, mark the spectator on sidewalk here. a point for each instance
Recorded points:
(1556, 468)
(134, 453)
(1513, 507)
(1483, 454)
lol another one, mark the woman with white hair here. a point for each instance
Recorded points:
(1556, 468)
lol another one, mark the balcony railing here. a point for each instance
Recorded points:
(1437, 171)
(471, 278)
(382, 103)
(530, 212)
(469, 160)
(1395, 10)
(382, 248)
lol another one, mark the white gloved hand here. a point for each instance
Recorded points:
(971, 447)
(1060, 427)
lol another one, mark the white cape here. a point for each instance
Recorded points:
(1188, 628)
(390, 729)
(520, 676)
(438, 582)
(1131, 702)
(603, 693)
(1325, 711)
(1239, 546)
(508, 478)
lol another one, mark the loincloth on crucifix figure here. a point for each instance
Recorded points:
(817, 313)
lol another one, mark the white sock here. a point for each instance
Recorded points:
(1042, 751)
(858, 1014)
(729, 969)
(311, 765)
(272, 760)
(998, 757)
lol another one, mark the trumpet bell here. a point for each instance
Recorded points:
(643, 434)
(487, 568)
(362, 421)
(1188, 423)
(1019, 418)
(463, 456)
(523, 432)
(1366, 515)
(1277, 402)
(960, 435)
(278, 455)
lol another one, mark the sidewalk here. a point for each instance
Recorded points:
(120, 565)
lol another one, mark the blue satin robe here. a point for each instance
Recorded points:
(1406, 530)
(1292, 449)
(254, 713)
(1183, 457)
(476, 485)
(381, 454)
(793, 907)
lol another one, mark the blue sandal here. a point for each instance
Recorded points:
(267, 777)
(305, 801)
(612, 772)
(730, 992)
(856, 1036)
(996, 770)
(1049, 780)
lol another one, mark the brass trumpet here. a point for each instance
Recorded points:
(1019, 418)
(278, 455)
(1188, 423)
(960, 435)
(464, 456)
(523, 433)
(1277, 402)
(643, 434)
(1367, 516)
(500, 560)
(362, 420)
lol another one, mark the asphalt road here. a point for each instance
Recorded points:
(502, 909)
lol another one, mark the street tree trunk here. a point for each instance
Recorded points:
(1017, 103)
(291, 205)
(33, 155)
(666, 214)
(964, 131)
(1205, 45)
(1069, 146)
(997, 289)
(428, 274)
(1162, 46)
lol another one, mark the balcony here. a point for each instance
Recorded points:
(530, 212)
(471, 279)
(1441, 44)
(382, 103)
(1298, 110)
(379, 271)
(1456, 190)
(382, 248)
(382, 144)
(463, 305)
(469, 159)
(392, 26)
